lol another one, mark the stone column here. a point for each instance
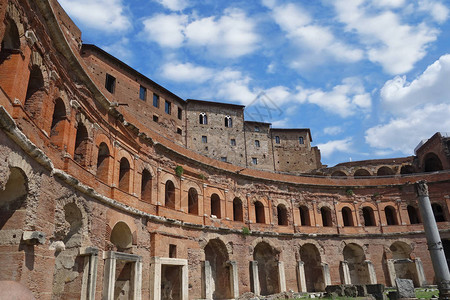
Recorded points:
(420, 273)
(109, 277)
(234, 279)
(391, 271)
(184, 282)
(371, 271)
(207, 285)
(434, 241)
(301, 279)
(326, 274)
(281, 277)
(137, 280)
(90, 272)
(346, 279)
(255, 277)
(155, 278)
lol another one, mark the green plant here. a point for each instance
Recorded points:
(350, 192)
(202, 177)
(375, 195)
(245, 230)
(179, 171)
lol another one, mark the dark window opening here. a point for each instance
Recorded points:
(413, 215)
(233, 142)
(110, 83)
(256, 128)
(193, 201)
(11, 39)
(59, 114)
(155, 118)
(179, 131)
(238, 214)
(228, 121)
(277, 139)
(259, 213)
(215, 205)
(168, 107)
(304, 216)
(172, 251)
(204, 139)
(254, 160)
(180, 113)
(438, 212)
(223, 158)
(326, 217)
(300, 140)
(282, 215)
(347, 216)
(124, 175)
(432, 163)
(391, 218)
(257, 144)
(35, 84)
(368, 215)
(103, 162)
(170, 194)
(203, 119)
(146, 186)
(142, 93)
(81, 144)
(156, 100)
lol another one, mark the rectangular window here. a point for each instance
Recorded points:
(110, 83)
(155, 100)
(155, 118)
(233, 142)
(300, 140)
(223, 158)
(256, 128)
(277, 139)
(168, 108)
(180, 113)
(172, 251)
(204, 139)
(179, 131)
(257, 144)
(142, 93)
(254, 160)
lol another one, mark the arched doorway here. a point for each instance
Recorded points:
(432, 163)
(217, 255)
(355, 258)
(267, 260)
(404, 266)
(310, 256)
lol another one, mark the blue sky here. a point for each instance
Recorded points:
(371, 78)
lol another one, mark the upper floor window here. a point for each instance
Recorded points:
(254, 160)
(203, 119)
(300, 140)
(256, 128)
(180, 113)
(142, 93)
(155, 100)
(168, 108)
(204, 139)
(277, 139)
(110, 83)
(257, 144)
(228, 121)
(223, 158)
(233, 142)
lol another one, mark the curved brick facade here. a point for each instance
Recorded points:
(100, 200)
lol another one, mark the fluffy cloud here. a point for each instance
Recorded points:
(230, 35)
(186, 72)
(120, 49)
(436, 9)
(93, 14)
(175, 5)
(394, 45)
(327, 149)
(333, 130)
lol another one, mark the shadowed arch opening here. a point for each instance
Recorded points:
(391, 215)
(59, 115)
(413, 215)
(407, 169)
(432, 163)
(13, 200)
(11, 38)
(81, 144)
(347, 217)
(169, 198)
(238, 211)
(121, 236)
(385, 171)
(361, 173)
(282, 215)
(304, 216)
(326, 216)
(369, 216)
(338, 174)
(124, 175)
(146, 186)
(267, 260)
(438, 212)
(35, 90)
(103, 158)
(259, 213)
(355, 258)
(217, 256)
(405, 267)
(215, 206)
(193, 201)
(310, 256)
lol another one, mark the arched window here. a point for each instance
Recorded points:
(121, 236)
(390, 214)
(361, 173)
(432, 163)
(413, 215)
(259, 213)
(338, 174)
(11, 39)
(124, 175)
(228, 122)
(385, 171)
(35, 85)
(347, 216)
(282, 215)
(326, 217)
(203, 119)
(438, 212)
(369, 216)
(59, 114)
(304, 216)
(81, 144)
(407, 169)
(146, 186)
(215, 205)
(193, 201)
(13, 200)
(238, 214)
(103, 162)
(170, 194)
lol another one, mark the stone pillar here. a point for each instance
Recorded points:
(281, 277)
(255, 277)
(371, 271)
(109, 278)
(434, 241)
(207, 285)
(345, 272)
(234, 279)
(391, 271)
(137, 280)
(326, 274)
(90, 272)
(420, 273)
(301, 280)
(155, 278)
(185, 282)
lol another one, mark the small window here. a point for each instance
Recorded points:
(228, 122)
(300, 140)
(142, 93)
(179, 131)
(155, 118)
(204, 139)
(233, 142)
(180, 113)
(110, 83)
(172, 251)
(203, 119)
(223, 158)
(254, 160)
(156, 100)
(257, 144)
(168, 107)
(256, 128)
(277, 139)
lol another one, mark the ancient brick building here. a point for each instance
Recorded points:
(99, 200)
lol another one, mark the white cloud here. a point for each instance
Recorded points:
(103, 15)
(394, 45)
(120, 49)
(333, 130)
(436, 9)
(166, 30)
(389, 3)
(175, 5)
(186, 72)
(327, 149)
